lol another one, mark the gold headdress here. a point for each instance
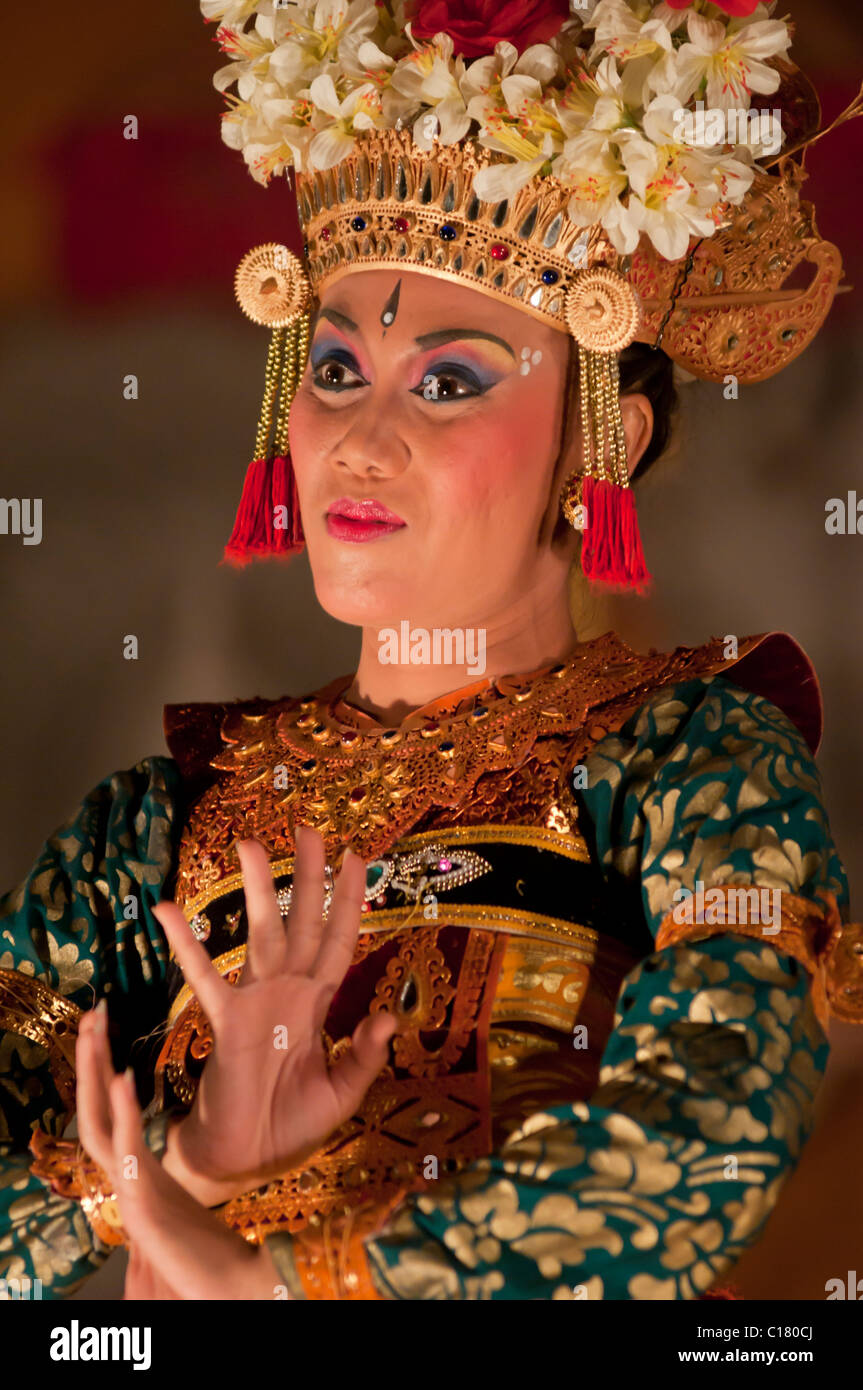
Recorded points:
(512, 175)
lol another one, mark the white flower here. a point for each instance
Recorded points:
(413, 70)
(482, 82)
(250, 59)
(668, 186)
(309, 76)
(272, 131)
(621, 32)
(730, 59)
(717, 179)
(359, 110)
(669, 219)
(320, 38)
(500, 181)
(357, 52)
(638, 45)
(672, 19)
(610, 110)
(591, 168)
(507, 98)
(430, 79)
(228, 11)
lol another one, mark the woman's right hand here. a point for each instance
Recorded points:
(267, 1098)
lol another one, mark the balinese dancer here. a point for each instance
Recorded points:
(499, 968)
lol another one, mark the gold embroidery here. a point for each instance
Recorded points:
(562, 842)
(386, 922)
(506, 759)
(813, 933)
(29, 1008)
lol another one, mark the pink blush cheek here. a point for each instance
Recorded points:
(488, 459)
(309, 430)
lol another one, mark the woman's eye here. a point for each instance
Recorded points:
(330, 374)
(449, 386)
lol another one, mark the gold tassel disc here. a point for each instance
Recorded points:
(271, 286)
(602, 310)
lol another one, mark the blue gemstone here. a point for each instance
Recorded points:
(550, 277)
(359, 224)
(447, 233)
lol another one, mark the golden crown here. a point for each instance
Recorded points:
(725, 308)
(391, 203)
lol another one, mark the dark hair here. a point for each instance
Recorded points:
(649, 372)
(644, 371)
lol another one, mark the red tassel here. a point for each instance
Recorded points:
(288, 539)
(269, 483)
(611, 551)
(249, 536)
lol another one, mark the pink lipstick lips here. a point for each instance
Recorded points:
(367, 520)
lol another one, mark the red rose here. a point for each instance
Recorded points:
(475, 26)
(738, 9)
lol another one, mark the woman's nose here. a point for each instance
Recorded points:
(374, 443)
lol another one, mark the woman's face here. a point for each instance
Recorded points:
(424, 436)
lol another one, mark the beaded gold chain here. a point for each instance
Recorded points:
(296, 352)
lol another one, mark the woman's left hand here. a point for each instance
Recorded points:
(179, 1249)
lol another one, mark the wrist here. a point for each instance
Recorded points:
(210, 1192)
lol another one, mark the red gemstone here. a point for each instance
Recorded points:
(325, 234)
(402, 224)
(499, 251)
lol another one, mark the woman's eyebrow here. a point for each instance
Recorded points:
(452, 335)
(340, 320)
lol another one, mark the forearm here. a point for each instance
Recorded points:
(654, 1188)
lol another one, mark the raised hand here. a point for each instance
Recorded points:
(266, 1098)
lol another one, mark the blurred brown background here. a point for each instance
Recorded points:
(119, 258)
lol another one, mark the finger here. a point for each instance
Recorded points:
(343, 924)
(265, 950)
(193, 1251)
(94, 1074)
(133, 1163)
(352, 1076)
(306, 917)
(198, 970)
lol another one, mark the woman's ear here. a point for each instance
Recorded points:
(637, 413)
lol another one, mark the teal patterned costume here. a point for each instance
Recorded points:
(648, 1187)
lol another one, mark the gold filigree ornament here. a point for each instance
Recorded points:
(602, 311)
(272, 287)
(273, 290)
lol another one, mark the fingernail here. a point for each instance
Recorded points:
(129, 1078)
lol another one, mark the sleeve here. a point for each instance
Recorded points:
(654, 1187)
(708, 784)
(78, 928)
